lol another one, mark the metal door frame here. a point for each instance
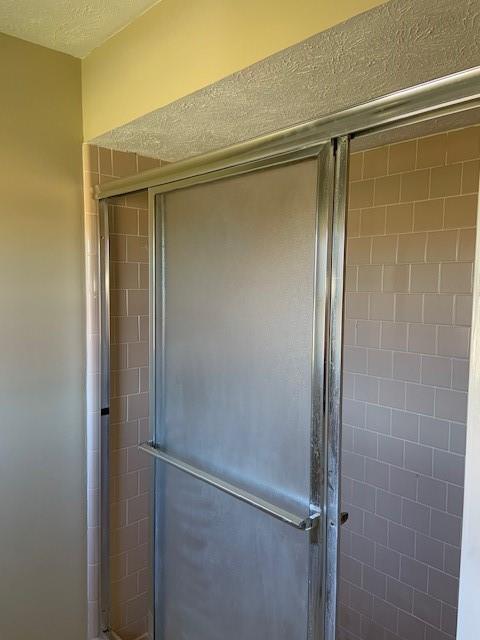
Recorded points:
(104, 313)
(324, 153)
(447, 95)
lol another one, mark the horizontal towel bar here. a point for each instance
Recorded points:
(299, 522)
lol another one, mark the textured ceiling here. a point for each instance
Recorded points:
(399, 44)
(72, 26)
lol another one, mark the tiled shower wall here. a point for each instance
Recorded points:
(129, 398)
(410, 249)
(130, 471)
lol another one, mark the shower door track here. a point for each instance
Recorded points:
(444, 96)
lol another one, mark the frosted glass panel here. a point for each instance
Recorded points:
(239, 264)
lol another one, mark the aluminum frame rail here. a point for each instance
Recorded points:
(449, 94)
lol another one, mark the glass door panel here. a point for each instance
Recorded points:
(237, 318)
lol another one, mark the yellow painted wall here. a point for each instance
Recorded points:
(42, 391)
(181, 46)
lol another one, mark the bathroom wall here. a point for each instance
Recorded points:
(130, 471)
(42, 388)
(411, 235)
(190, 46)
(129, 477)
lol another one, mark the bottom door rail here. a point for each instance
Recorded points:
(299, 522)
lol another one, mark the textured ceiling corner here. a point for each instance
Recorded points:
(75, 27)
(399, 44)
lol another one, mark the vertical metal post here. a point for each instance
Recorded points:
(157, 354)
(316, 587)
(334, 384)
(152, 398)
(104, 417)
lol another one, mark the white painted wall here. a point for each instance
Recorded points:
(469, 599)
(42, 337)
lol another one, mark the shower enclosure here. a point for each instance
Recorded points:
(247, 336)
(410, 252)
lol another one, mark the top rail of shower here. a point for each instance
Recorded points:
(298, 522)
(450, 94)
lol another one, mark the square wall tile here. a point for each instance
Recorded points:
(411, 247)
(432, 151)
(387, 190)
(361, 194)
(372, 221)
(402, 156)
(415, 185)
(446, 181)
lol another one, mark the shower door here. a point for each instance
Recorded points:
(240, 301)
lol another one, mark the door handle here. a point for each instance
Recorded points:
(343, 517)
